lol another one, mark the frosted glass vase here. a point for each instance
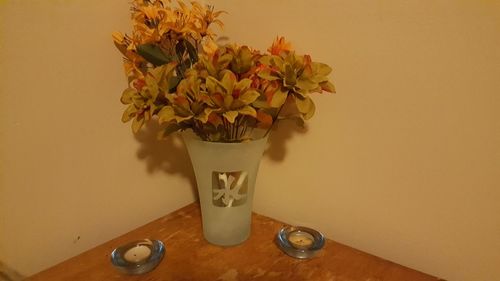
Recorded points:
(225, 176)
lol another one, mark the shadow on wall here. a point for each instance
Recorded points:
(8, 274)
(278, 137)
(170, 155)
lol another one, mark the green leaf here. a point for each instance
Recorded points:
(153, 54)
(193, 53)
(249, 96)
(180, 48)
(230, 115)
(173, 82)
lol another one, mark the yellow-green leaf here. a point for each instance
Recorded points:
(166, 114)
(243, 84)
(306, 84)
(230, 115)
(137, 124)
(138, 102)
(249, 96)
(279, 98)
(228, 100)
(290, 76)
(260, 104)
(301, 92)
(157, 73)
(328, 86)
(129, 113)
(319, 79)
(152, 86)
(211, 84)
(266, 74)
(321, 68)
(272, 61)
(306, 107)
(247, 110)
(224, 60)
(209, 66)
(127, 95)
(203, 116)
(180, 119)
(182, 110)
(228, 81)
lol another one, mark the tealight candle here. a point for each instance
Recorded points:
(300, 239)
(137, 254)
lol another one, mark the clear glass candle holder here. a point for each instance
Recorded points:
(300, 242)
(138, 257)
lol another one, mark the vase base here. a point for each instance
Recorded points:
(227, 240)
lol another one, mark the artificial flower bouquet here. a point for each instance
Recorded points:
(179, 77)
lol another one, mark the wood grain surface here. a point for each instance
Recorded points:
(189, 257)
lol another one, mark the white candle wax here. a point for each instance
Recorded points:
(137, 254)
(300, 239)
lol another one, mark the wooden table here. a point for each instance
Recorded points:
(190, 257)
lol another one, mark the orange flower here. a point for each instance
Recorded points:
(280, 45)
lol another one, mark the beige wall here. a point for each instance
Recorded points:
(403, 162)
(69, 168)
